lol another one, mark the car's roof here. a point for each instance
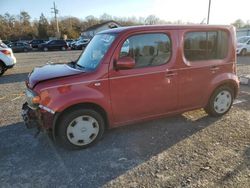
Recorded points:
(163, 27)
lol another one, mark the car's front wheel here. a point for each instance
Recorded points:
(45, 49)
(220, 102)
(80, 128)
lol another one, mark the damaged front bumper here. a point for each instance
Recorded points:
(31, 117)
(38, 118)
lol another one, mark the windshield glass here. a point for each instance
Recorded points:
(95, 51)
(243, 39)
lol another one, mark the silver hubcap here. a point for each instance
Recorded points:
(82, 130)
(222, 101)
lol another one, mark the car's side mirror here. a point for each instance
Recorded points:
(125, 63)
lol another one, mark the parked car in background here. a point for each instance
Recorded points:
(6, 42)
(53, 45)
(69, 41)
(20, 46)
(7, 58)
(133, 74)
(80, 44)
(35, 42)
(72, 43)
(243, 45)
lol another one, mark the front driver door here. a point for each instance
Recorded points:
(150, 88)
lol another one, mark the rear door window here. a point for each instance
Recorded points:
(206, 45)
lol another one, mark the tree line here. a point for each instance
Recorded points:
(22, 27)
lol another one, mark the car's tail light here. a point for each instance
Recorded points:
(6, 52)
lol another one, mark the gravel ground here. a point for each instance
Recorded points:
(188, 150)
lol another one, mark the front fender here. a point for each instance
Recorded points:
(60, 98)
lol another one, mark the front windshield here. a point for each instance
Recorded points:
(95, 51)
(243, 39)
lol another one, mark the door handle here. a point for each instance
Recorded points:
(214, 68)
(170, 74)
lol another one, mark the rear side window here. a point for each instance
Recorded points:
(206, 45)
(147, 49)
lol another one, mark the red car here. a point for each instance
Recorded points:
(132, 74)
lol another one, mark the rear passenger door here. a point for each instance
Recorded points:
(204, 58)
(150, 88)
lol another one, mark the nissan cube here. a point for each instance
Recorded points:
(132, 74)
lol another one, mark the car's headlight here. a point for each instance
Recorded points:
(32, 98)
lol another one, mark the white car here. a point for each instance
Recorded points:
(243, 45)
(7, 58)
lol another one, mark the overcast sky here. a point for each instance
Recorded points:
(222, 11)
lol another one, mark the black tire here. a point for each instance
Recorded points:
(69, 118)
(212, 109)
(2, 69)
(243, 52)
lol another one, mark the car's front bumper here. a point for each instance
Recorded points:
(38, 118)
(9, 61)
(31, 117)
(10, 66)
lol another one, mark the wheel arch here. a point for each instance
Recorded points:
(228, 79)
(229, 83)
(88, 105)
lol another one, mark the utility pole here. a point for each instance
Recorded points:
(55, 11)
(208, 14)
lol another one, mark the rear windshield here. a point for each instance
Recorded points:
(206, 45)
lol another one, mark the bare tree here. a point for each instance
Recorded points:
(151, 20)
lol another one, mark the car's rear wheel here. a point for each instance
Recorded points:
(63, 48)
(243, 52)
(220, 102)
(2, 69)
(45, 49)
(80, 128)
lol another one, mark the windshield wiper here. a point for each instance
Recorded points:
(82, 67)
